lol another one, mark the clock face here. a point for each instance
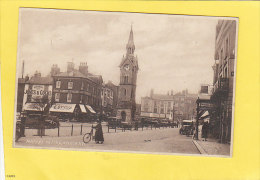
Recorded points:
(126, 67)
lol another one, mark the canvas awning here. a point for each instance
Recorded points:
(59, 107)
(204, 115)
(34, 107)
(82, 108)
(90, 109)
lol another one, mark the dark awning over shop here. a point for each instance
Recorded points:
(34, 107)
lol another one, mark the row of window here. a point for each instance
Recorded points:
(125, 79)
(88, 99)
(223, 55)
(106, 92)
(95, 91)
(162, 111)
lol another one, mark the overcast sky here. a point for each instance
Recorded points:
(174, 52)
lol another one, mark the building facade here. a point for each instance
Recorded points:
(222, 93)
(126, 105)
(109, 97)
(170, 106)
(20, 93)
(37, 93)
(76, 93)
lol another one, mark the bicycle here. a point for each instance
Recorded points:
(88, 136)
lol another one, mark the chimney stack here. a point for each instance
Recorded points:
(37, 74)
(83, 68)
(70, 67)
(55, 69)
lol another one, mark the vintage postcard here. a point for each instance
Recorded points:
(125, 82)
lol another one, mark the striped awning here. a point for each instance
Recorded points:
(82, 108)
(90, 109)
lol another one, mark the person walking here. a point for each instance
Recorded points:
(99, 138)
(205, 129)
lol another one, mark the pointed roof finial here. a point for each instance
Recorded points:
(131, 36)
(130, 47)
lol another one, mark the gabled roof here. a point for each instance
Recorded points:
(133, 60)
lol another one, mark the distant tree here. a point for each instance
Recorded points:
(43, 105)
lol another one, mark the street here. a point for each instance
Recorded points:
(167, 140)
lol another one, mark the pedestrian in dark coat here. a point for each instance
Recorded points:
(205, 129)
(99, 138)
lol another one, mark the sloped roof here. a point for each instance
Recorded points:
(162, 97)
(21, 80)
(74, 73)
(109, 84)
(96, 78)
(40, 80)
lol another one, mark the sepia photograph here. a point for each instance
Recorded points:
(125, 82)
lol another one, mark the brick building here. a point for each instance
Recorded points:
(76, 93)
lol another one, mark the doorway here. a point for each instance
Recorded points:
(123, 115)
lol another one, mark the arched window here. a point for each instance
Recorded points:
(126, 79)
(123, 91)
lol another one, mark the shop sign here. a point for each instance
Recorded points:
(62, 108)
(37, 92)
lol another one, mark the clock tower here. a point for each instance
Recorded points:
(128, 75)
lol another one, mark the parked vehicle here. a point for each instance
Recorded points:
(163, 123)
(35, 121)
(126, 125)
(155, 123)
(187, 127)
(113, 122)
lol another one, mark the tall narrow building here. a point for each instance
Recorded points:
(126, 106)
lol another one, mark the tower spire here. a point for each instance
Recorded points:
(130, 47)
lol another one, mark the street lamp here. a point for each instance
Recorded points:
(197, 120)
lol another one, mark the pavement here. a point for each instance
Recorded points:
(212, 147)
(163, 140)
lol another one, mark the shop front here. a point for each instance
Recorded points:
(73, 112)
(90, 114)
(65, 112)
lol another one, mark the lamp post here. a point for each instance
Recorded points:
(197, 121)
